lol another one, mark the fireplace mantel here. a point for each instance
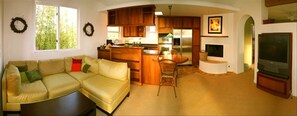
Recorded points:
(214, 36)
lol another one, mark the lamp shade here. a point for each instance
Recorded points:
(169, 35)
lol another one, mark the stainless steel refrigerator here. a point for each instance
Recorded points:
(182, 43)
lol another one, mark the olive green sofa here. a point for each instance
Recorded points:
(107, 83)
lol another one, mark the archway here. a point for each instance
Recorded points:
(241, 42)
(249, 44)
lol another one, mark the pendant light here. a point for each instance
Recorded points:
(170, 35)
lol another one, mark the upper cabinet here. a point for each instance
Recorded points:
(134, 31)
(167, 23)
(132, 16)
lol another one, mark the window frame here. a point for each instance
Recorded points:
(57, 19)
(119, 32)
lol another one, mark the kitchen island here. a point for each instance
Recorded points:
(141, 60)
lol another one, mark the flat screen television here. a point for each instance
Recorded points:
(275, 54)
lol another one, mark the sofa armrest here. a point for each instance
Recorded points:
(4, 91)
(128, 74)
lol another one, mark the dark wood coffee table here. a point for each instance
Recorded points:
(74, 104)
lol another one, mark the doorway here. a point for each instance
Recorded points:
(249, 44)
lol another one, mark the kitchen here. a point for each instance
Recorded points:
(144, 30)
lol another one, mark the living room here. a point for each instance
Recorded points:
(21, 46)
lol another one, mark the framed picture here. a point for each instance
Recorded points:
(215, 25)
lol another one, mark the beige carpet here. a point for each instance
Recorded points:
(199, 93)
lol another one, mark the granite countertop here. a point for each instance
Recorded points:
(150, 52)
(145, 47)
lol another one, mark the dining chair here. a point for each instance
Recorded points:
(168, 74)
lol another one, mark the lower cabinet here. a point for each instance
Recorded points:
(133, 56)
(151, 69)
(103, 54)
(273, 85)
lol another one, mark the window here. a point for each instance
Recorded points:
(113, 33)
(56, 28)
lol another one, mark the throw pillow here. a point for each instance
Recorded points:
(76, 65)
(23, 77)
(85, 67)
(33, 75)
(23, 68)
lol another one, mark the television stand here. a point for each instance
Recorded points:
(276, 86)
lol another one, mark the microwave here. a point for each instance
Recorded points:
(164, 48)
(163, 39)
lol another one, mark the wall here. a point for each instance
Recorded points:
(21, 46)
(259, 12)
(227, 31)
(1, 51)
(286, 27)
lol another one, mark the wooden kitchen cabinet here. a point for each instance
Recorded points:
(132, 16)
(134, 31)
(151, 69)
(111, 17)
(164, 24)
(196, 45)
(103, 54)
(187, 22)
(149, 15)
(135, 15)
(122, 16)
(269, 3)
(133, 56)
(196, 36)
(196, 22)
(195, 55)
(177, 22)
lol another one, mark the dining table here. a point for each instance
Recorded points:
(178, 58)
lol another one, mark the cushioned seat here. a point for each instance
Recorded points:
(60, 84)
(104, 88)
(81, 76)
(30, 92)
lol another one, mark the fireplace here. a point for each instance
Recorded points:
(214, 50)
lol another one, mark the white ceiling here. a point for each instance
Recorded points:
(179, 7)
(201, 7)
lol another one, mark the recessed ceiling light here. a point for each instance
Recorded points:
(158, 13)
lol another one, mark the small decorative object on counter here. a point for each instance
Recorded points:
(126, 45)
(108, 46)
(102, 47)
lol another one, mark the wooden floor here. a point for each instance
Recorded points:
(200, 93)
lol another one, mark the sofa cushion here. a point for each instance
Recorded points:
(76, 65)
(52, 66)
(60, 84)
(13, 80)
(23, 68)
(85, 67)
(31, 64)
(23, 77)
(68, 62)
(81, 76)
(104, 88)
(30, 92)
(33, 75)
(93, 62)
(111, 69)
